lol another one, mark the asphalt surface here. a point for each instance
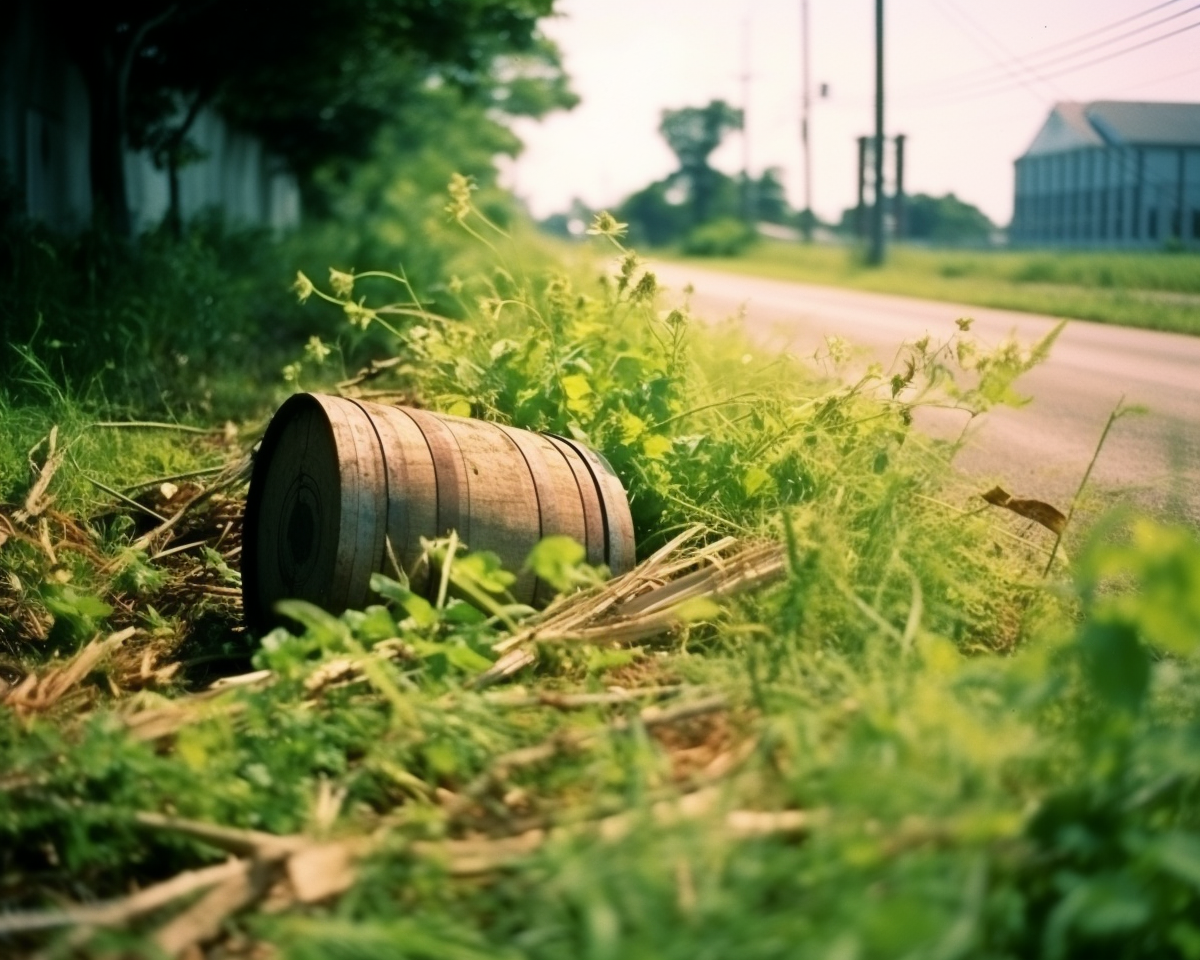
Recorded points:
(1040, 450)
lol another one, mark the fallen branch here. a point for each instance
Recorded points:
(116, 913)
(233, 474)
(159, 722)
(128, 501)
(154, 425)
(572, 740)
(315, 871)
(580, 701)
(34, 694)
(202, 920)
(374, 369)
(235, 840)
(650, 600)
(473, 857)
(37, 500)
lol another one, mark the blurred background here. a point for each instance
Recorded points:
(969, 84)
(170, 147)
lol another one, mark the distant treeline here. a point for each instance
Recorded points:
(706, 212)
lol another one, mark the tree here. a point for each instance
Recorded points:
(937, 220)
(657, 214)
(770, 198)
(945, 220)
(316, 81)
(693, 133)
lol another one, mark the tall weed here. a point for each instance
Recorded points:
(981, 761)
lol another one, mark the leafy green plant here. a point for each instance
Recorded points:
(726, 237)
(907, 739)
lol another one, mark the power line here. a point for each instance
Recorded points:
(1104, 29)
(1015, 67)
(981, 73)
(1122, 161)
(1036, 67)
(1118, 38)
(956, 96)
(1121, 53)
(952, 12)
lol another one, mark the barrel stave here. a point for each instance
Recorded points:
(344, 488)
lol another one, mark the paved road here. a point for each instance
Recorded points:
(1039, 450)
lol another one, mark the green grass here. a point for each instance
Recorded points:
(1158, 291)
(911, 743)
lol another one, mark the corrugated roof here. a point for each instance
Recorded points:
(1167, 124)
(1073, 125)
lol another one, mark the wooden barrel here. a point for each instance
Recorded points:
(343, 488)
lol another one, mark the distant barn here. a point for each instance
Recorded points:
(1111, 174)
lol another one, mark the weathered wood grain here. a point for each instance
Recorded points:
(346, 488)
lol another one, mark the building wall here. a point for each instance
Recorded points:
(236, 176)
(1109, 196)
(44, 131)
(43, 121)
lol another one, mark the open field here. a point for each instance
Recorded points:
(1158, 291)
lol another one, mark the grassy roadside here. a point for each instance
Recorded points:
(899, 738)
(1157, 291)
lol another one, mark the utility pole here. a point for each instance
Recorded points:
(900, 213)
(876, 255)
(805, 145)
(747, 196)
(860, 211)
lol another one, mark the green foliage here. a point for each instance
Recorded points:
(162, 325)
(983, 762)
(77, 614)
(560, 562)
(316, 83)
(693, 133)
(702, 208)
(770, 197)
(720, 238)
(658, 213)
(425, 939)
(945, 220)
(938, 221)
(698, 205)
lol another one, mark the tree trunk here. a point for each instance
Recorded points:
(110, 201)
(174, 216)
(106, 63)
(702, 190)
(175, 159)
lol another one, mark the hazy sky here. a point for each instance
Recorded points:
(968, 81)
